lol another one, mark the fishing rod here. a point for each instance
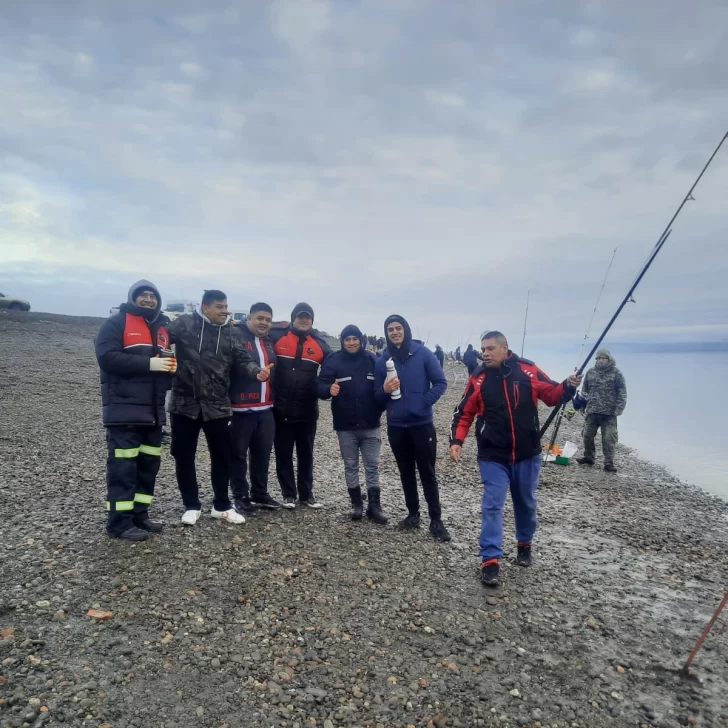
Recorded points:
(561, 410)
(628, 298)
(525, 321)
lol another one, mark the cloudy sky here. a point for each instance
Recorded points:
(435, 159)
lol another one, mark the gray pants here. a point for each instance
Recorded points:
(610, 436)
(369, 442)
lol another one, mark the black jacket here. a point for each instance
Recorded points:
(355, 407)
(299, 357)
(248, 394)
(131, 394)
(205, 355)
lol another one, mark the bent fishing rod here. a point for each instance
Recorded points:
(650, 259)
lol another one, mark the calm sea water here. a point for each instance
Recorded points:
(676, 410)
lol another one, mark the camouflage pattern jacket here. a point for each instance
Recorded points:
(206, 353)
(605, 389)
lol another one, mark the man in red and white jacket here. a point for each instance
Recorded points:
(253, 427)
(503, 394)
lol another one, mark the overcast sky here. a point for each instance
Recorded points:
(434, 159)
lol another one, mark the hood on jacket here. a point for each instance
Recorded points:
(352, 330)
(207, 321)
(148, 313)
(401, 354)
(611, 360)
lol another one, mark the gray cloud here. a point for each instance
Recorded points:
(435, 159)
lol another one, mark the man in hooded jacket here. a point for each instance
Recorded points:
(347, 378)
(605, 390)
(440, 355)
(421, 382)
(300, 351)
(207, 348)
(470, 359)
(132, 349)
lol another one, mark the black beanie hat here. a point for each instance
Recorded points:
(352, 330)
(301, 308)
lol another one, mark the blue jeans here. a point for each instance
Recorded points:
(369, 443)
(523, 481)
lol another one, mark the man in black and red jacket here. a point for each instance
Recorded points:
(300, 351)
(136, 364)
(253, 426)
(504, 395)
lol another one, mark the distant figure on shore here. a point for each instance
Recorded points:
(458, 357)
(207, 348)
(419, 382)
(253, 427)
(503, 394)
(440, 355)
(470, 359)
(300, 350)
(606, 393)
(347, 379)
(136, 363)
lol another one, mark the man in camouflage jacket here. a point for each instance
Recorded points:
(606, 393)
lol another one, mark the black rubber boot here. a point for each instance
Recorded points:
(585, 461)
(357, 505)
(411, 521)
(145, 524)
(132, 534)
(374, 509)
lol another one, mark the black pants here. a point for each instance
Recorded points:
(131, 471)
(302, 436)
(416, 447)
(185, 433)
(254, 432)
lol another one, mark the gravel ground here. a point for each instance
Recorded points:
(304, 618)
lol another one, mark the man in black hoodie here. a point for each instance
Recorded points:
(300, 351)
(136, 364)
(347, 378)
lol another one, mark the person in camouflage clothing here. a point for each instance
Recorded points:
(207, 346)
(606, 393)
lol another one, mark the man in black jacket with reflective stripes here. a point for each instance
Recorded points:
(347, 378)
(136, 363)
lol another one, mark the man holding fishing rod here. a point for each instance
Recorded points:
(503, 394)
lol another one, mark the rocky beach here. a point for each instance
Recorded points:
(304, 618)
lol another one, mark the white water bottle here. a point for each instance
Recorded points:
(392, 374)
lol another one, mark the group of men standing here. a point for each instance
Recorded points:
(249, 387)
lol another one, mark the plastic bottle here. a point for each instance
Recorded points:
(392, 374)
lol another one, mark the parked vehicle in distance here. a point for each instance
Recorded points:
(238, 317)
(13, 303)
(172, 310)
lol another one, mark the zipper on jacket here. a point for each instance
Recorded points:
(510, 414)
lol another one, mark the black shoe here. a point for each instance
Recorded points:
(374, 509)
(438, 530)
(146, 525)
(490, 572)
(289, 503)
(270, 504)
(244, 507)
(132, 534)
(524, 557)
(357, 505)
(585, 461)
(610, 468)
(412, 521)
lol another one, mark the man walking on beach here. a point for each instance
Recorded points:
(470, 359)
(347, 378)
(207, 348)
(300, 351)
(503, 394)
(606, 393)
(440, 355)
(419, 382)
(253, 426)
(136, 364)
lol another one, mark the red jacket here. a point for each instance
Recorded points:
(505, 402)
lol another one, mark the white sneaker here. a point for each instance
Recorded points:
(231, 516)
(191, 517)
